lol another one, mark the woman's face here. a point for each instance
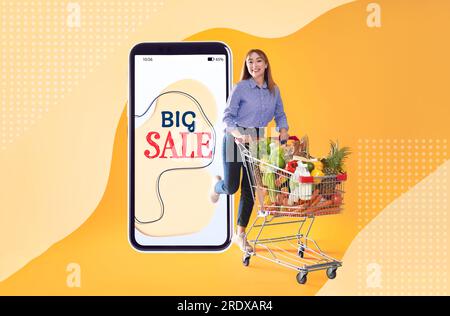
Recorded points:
(256, 65)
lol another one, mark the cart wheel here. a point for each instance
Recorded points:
(246, 260)
(301, 277)
(301, 252)
(331, 273)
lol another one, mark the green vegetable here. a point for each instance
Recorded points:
(310, 166)
(264, 166)
(264, 147)
(277, 156)
(268, 180)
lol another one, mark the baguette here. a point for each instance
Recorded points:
(314, 196)
(316, 201)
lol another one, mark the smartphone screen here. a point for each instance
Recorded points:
(178, 92)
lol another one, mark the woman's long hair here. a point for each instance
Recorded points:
(267, 73)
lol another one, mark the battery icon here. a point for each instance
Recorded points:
(210, 58)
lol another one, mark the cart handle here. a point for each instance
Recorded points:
(239, 140)
(284, 142)
(240, 144)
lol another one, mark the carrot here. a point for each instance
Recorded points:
(325, 204)
(314, 195)
(302, 202)
(327, 211)
(318, 206)
(323, 208)
(308, 210)
(316, 200)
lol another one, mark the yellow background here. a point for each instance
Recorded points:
(372, 88)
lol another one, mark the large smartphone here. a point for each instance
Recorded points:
(177, 94)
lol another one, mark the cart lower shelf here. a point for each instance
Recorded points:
(296, 251)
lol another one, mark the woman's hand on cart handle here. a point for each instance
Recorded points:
(239, 138)
(283, 142)
(284, 136)
(243, 139)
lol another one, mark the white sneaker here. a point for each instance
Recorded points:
(213, 196)
(241, 241)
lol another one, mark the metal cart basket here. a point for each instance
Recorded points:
(284, 198)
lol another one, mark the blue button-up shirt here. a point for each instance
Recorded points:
(252, 106)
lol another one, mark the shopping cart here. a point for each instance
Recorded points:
(284, 198)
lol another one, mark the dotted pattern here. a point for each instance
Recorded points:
(405, 251)
(44, 56)
(390, 167)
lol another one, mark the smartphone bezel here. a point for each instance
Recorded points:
(171, 48)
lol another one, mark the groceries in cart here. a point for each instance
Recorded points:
(292, 187)
(289, 179)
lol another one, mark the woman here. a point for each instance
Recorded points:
(253, 103)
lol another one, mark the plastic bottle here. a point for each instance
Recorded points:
(304, 189)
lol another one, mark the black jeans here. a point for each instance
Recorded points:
(232, 165)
